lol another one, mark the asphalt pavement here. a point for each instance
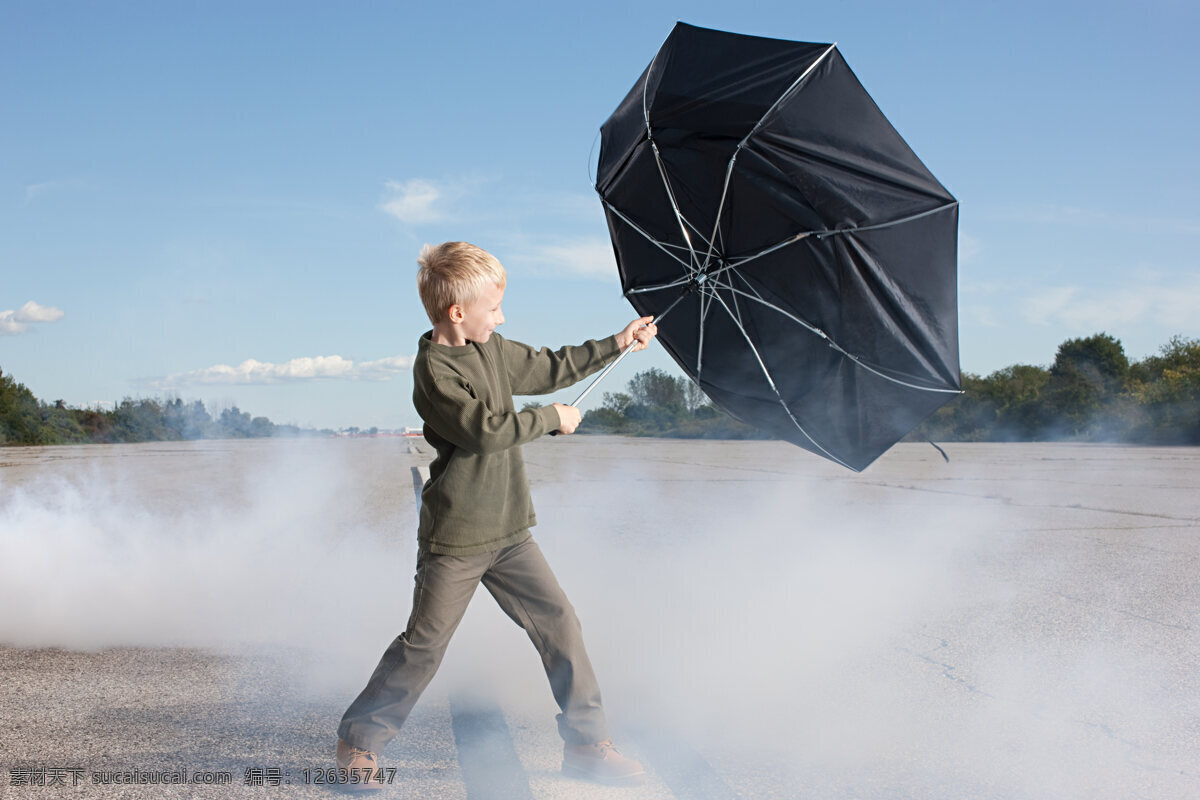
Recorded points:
(1017, 622)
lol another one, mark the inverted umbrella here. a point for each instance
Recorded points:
(805, 256)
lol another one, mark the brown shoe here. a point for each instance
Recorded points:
(362, 769)
(602, 763)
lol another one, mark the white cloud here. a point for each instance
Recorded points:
(585, 257)
(252, 371)
(34, 312)
(1170, 306)
(9, 326)
(16, 322)
(414, 202)
(384, 368)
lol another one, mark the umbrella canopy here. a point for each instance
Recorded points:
(806, 256)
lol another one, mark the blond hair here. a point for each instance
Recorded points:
(455, 273)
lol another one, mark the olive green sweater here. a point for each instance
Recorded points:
(477, 496)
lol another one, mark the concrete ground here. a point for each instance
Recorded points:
(1020, 622)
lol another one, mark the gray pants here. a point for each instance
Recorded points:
(525, 588)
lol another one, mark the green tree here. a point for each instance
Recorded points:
(617, 402)
(188, 420)
(693, 396)
(20, 413)
(96, 425)
(1086, 381)
(1168, 393)
(1016, 393)
(59, 425)
(610, 417)
(1179, 354)
(236, 424)
(656, 389)
(140, 421)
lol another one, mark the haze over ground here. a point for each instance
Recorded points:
(1020, 622)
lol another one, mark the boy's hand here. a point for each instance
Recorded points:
(640, 331)
(568, 418)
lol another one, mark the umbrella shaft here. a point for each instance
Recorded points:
(628, 349)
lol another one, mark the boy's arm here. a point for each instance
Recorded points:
(459, 417)
(543, 371)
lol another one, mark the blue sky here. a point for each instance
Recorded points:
(189, 186)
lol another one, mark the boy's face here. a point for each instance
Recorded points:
(481, 317)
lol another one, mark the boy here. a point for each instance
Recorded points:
(476, 512)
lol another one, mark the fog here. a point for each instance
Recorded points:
(193, 546)
(999, 626)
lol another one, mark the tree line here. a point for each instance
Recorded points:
(1091, 392)
(25, 420)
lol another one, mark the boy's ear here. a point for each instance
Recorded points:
(455, 314)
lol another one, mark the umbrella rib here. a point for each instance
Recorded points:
(660, 286)
(683, 223)
(733, 299)
(888, 224)
(650, 238)
(821, 234)
(775, 389)
(788, 241)
(787, 92)
(697, 231)
(687, 278)
(721, 204)
(856, 359)
(749, 285)
(646, 85)
(746, 138)
(697, 278)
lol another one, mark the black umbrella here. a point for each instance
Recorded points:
(806, 256)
